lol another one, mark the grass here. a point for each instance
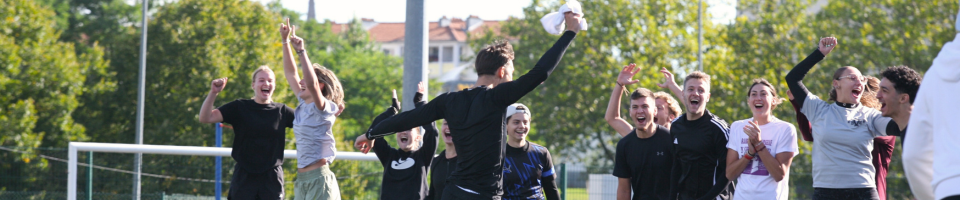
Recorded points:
(577, 194)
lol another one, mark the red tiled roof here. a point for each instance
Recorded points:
(394, 31)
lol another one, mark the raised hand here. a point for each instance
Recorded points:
(667, 78)
(572, 21)
(295, 40)
(626, 74)
(827, 44)
(217, 85)
(285, 30)
(422, 89)
(396, 101)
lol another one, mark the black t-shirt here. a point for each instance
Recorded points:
(258, 133)
(524, 169)
(440, 171)
(406, 172)
(699, 166)
(646, 162)
(476, 119)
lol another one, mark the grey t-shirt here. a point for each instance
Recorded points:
(313, 129)
(841, 152)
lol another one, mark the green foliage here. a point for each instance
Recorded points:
(42, 78)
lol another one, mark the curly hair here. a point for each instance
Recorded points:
(905, 80)
(493, 56)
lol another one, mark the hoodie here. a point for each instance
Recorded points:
(933, 121)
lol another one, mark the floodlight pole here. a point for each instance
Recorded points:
(414, 48)
(138, 157)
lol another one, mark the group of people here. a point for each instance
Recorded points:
(664, 152)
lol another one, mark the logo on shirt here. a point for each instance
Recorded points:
(675, 141)
(857, 122)
(402, 164)
(659, 153)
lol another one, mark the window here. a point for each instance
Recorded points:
(386, 52)
(447, 54)
(434, 54)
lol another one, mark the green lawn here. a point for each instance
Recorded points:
(577, 194)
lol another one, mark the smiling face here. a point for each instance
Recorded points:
(409, 140)
(518, 126)
(642, 111)
(663, 113)
(849, 85)
(761, 100)
(447, 137)
(890, 99)
(697, 94)
(263, 85)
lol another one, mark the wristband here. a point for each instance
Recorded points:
(748, 157)
(300, 51)
(761, 149)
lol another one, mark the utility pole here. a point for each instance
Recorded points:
(414, 48)
(138, 157)
(700, 35)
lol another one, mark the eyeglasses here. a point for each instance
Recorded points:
(854, 78)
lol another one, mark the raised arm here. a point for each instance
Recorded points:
(510, 92)
(613, 107)
(430, 133)
(427, 113)
(309, 76)
(207, 113)
(289, 66)
(795, 77)
(670, 83)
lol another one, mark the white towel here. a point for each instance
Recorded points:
(553, 22)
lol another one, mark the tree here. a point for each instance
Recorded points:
(42, 79)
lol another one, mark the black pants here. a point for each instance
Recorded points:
(453, 191)
(265, 185)
(954, 197)
(845, 194)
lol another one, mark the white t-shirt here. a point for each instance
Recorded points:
(755, 181)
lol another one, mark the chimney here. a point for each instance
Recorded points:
(444, 22)
(473, 22)
(311, 14)
(368, 23)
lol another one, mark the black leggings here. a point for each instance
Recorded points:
(954, 197)
(845, 193)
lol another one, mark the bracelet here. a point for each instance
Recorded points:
(761, 149)
(300, 51)
(748, 157)
(618, 83)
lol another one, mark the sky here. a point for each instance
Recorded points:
(723, 11)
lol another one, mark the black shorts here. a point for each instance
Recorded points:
(265, 185)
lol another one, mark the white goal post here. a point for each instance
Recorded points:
(168, 150)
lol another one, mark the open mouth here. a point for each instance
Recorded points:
(758, 106)
(641, 120)
(404, 139)
(856, 93)
(695, 102)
